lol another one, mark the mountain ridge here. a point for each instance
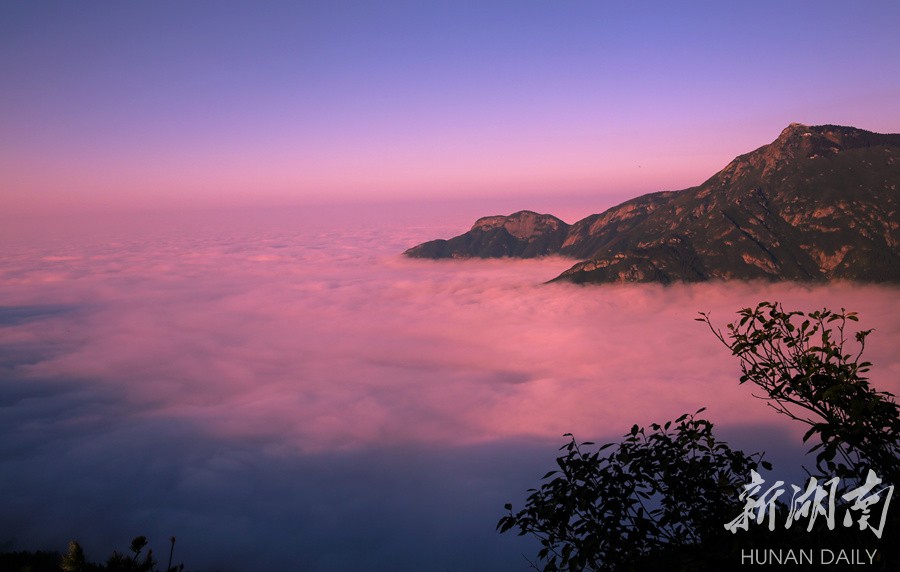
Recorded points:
(818, 203)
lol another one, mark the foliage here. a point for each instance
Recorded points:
(658, 490)
(74, 560)
(659, 499)
(23, 561)
(807, 370)
(123, 563)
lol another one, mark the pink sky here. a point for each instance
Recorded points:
(180, 106)
(206, 326)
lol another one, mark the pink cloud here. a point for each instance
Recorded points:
(221, 351)
(320, 339)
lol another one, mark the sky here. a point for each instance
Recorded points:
(155, 105)
(300, 397)
(213, 334)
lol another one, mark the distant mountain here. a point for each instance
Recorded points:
(524, 234)
(819, 203)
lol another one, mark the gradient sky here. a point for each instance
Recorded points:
(154, 104)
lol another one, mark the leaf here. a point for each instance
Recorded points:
(659, 486)
(809, 433)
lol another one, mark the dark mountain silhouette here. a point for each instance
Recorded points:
(524, 234)
(819, 203)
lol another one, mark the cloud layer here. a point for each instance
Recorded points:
(298, 395)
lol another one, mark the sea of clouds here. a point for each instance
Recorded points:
(289, 393)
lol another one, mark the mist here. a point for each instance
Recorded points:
(289, 392)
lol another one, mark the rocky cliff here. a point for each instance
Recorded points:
(819, 203)
(524, 234)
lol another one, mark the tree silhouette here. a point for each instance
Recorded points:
(74, 560)
(657, 492)
(807, 371)
(662, 499)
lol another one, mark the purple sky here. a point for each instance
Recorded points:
(277, 386)
(109, 105)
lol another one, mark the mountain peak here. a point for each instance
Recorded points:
(807, 141)
(818, 203)
(794, 128)
(798, 142)
(521, 224)
(523, 234)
